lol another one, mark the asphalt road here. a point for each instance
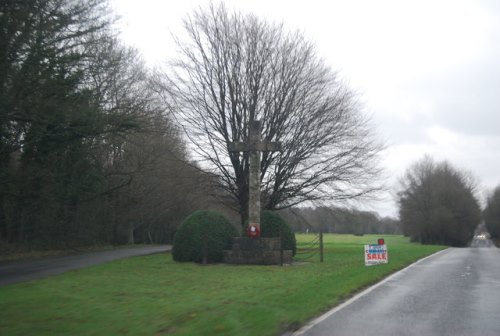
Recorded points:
(454, 292)
(15, 272)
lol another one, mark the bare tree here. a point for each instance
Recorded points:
(148, 184)
(235, 68)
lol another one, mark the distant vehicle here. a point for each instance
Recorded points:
(481, 236)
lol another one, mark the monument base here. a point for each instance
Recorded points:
(256, 251)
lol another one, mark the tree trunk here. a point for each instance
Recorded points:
(130, 232)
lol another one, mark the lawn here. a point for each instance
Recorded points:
(153, 295)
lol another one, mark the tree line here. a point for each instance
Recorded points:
(339, 220)
(88, 151)
(438, 204)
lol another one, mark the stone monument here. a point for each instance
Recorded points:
(254, 249)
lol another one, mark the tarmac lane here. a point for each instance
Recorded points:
(20, 271)
(454, 292)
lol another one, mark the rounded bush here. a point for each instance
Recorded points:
(270, 226)
(189, 238)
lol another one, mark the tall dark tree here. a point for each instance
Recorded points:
(492, 214)
(44, 113)
(235, 68)
(437, 204)
(84, 141)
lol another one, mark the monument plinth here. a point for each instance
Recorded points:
(257, 251)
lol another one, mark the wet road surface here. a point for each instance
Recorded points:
(454, 292)
(15, 272)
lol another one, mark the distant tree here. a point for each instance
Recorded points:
(437, 204)
(492, 214)
(235, 68)
(389, 225)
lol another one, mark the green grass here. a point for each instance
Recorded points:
(153, 295)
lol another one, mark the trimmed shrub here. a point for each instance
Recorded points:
(188, 240)
(270, 226)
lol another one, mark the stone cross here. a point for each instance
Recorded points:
(255, 146)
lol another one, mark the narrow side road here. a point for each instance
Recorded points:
(455, 292)
(15, 272)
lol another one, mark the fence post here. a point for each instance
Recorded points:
(281, 247)
(205, 247)
(321, 246)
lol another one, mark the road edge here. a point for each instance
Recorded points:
(311, 324)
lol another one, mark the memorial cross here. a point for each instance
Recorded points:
(254, 146)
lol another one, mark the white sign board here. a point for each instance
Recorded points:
(376, 254)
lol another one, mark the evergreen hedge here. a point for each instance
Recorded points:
(189, 238)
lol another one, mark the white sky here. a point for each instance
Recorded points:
(428, 70)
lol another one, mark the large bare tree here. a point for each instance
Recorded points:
(235, 68)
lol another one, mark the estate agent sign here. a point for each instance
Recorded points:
(376, 254)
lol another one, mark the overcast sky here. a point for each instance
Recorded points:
(428, 71)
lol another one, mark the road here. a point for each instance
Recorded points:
(454, 292)
(15, 272)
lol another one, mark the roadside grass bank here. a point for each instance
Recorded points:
(152, 295)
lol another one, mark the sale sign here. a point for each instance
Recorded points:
(376, 254)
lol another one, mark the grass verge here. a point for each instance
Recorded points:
(153, 295)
